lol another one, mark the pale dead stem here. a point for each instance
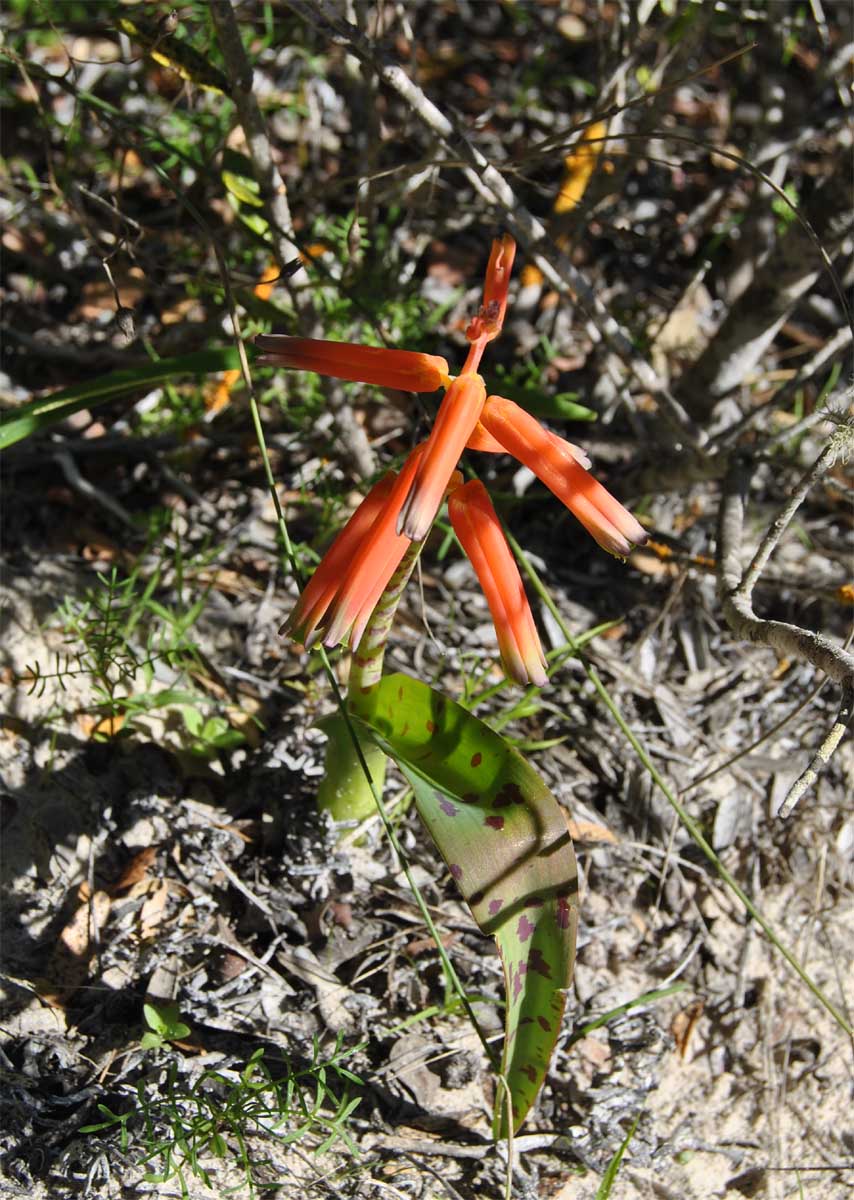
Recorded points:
(491, 185)
(735, 589)
(275, 197)
(754, 320)
(273, 190)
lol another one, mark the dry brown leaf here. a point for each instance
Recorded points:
(109, 726)
(137, 869)
(589, 831)
(13, 240)
(649, 564)
(264, 287)
(92, 725)
(242, 721)
(683, 1025)
(420, 945)
(616, 633)
(217, 393)
(188, 309)
(594, 1050)
(97, 295)
(69, 963)
(153, 911)
(100, 550)
(530, 276)
(580, 165)
(230, 583)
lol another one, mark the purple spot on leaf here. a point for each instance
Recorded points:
(563, 914)
(494, 822)
(524, 929)
(537, 963)
(495, 907)
(476, 759)
(521, 971)
(509, 794)
(544, 1023)
(450, 810)
(456, 870)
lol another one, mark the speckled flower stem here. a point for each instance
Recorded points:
(345, 793)
(366, 667)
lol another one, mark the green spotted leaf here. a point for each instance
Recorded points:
(506, 842)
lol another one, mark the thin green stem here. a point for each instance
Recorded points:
(346, 716)
(687, 820)
(646, 998)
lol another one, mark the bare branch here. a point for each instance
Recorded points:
(735, 590)
(822, 756)
(784, 517)
(274, 193)
(754, 320)
(489, 182)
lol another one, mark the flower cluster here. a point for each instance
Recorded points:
(337, 603)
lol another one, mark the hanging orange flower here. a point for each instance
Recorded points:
(338, 600)
(558, 465)
(405, 370)
(458, 414)
(477, 526)
(337, 603)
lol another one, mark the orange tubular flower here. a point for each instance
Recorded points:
(404, 370)
(304, 623)
(477, 526)
(552, 460)
(458, 414)
(373, 563)
(345, 589)
(490, 319)
(484, 442)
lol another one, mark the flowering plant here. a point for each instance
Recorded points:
(400, 510)
(502, 833)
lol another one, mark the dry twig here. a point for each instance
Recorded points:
(491, 184)
(735, 588)
(275, 196)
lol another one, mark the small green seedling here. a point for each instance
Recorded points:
(164, 1025)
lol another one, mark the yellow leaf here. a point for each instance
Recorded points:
(580, 164)
(174, 53)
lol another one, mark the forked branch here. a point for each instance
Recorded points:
(735, 588)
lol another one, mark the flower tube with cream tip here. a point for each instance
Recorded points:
(319, 593)
(553, 461)
(373, 563)
(458, 414)
(403, 370)
(477, 526)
